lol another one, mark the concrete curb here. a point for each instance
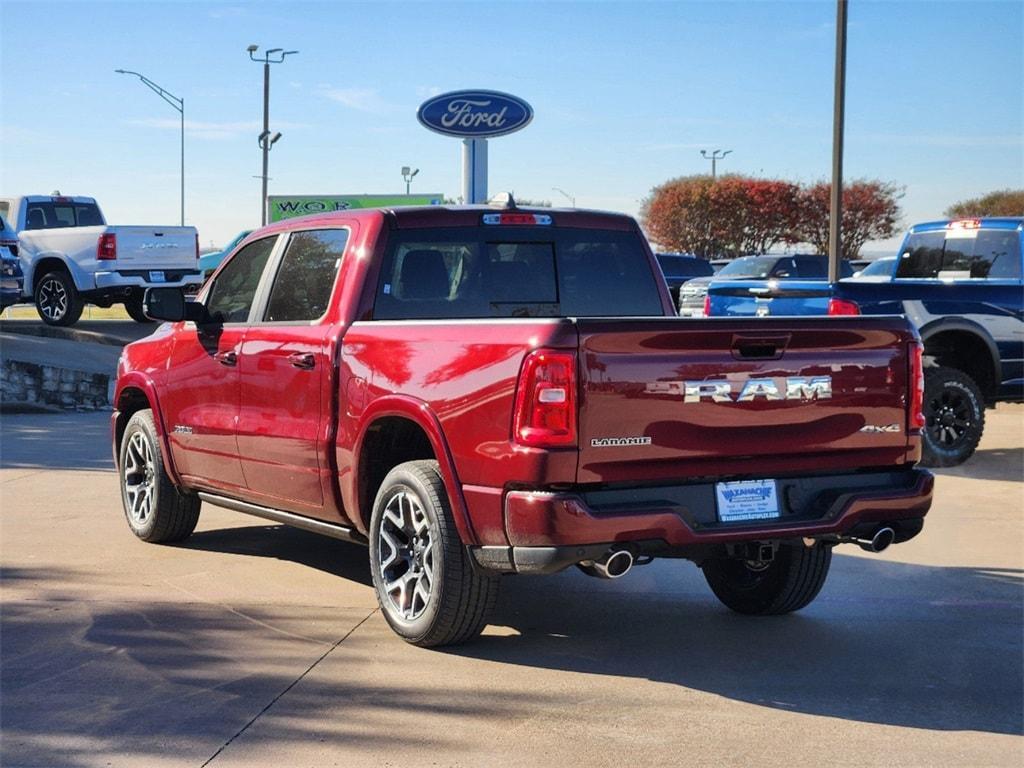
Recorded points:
(54, 332)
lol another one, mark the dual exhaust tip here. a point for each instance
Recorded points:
(614, 565)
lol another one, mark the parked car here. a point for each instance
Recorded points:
(70, 256)
(208, 262)
(789, 285)
(877, 271)
(755, 271)
(475, 391)
(679, 269)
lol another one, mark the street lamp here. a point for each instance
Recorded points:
(178, 104)
(572, 200)
(408, 174)
(266, 139)
(714, 157)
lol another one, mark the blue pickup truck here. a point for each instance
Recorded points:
(960, 282)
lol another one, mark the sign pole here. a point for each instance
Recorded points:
(474, 171)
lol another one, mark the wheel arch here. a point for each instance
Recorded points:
(41, 264)
(953, 342)
(134, 393)
(404, 417)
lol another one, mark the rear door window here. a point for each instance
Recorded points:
(480, 272)
(305, 278)
(57, 215)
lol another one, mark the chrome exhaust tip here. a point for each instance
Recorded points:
(880, 541)
(614, 565)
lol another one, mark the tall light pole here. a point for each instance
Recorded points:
(714, 157)
(266, 139)
(408, 174)
(835, 215)
(178, 104)
(572, 200)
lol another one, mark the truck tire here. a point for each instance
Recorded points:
(954, 414)
(57, 300)
(428, 590)
(156, 510)
(786, 584)
(133, 306)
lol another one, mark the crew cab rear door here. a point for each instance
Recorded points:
(673, 398)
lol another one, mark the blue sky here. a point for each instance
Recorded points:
(625, 97)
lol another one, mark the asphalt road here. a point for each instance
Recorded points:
(257, 645)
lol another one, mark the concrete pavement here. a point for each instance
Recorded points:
(254, 644)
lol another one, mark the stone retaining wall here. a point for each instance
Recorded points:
(31, 384)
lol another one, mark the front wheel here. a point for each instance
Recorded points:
(57, 299)
(427, 589)
(787, 583)
(954, 415)
(156, 510)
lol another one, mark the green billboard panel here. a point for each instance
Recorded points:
(290, 206)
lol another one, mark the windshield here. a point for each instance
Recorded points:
(757, 267)
(880, 268)
(683, 266)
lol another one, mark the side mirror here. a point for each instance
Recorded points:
(169, 304)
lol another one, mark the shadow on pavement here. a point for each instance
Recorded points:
(990, 464)
(65, 441)
(281, 542)
(924, 647)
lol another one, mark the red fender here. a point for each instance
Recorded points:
(141, 382)
(419, 413)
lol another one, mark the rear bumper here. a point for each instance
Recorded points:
(549, 531)
(116, 280)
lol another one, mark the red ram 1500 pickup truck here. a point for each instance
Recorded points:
(483, 391)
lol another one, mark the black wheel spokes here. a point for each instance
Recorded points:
(949, 418)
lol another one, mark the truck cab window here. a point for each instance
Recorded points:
(233, 290)
(302, 287)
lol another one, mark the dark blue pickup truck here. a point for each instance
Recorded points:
(959, 281)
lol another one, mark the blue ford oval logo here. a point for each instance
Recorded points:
(475, 114)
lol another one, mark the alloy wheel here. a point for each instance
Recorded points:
(949, 417)
(139, 478)
(53, 299)
(406, 546)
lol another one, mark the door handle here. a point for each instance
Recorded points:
(229, 358)
(303, 360)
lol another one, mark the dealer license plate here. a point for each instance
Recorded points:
(747, 500)
(157, 277)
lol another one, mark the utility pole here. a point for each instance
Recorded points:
(835, 216)
(266, 140)
(714, 157)
(178, 104)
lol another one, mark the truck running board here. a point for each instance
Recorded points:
(287, 518)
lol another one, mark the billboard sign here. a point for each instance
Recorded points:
(475, 114)
(289, 206)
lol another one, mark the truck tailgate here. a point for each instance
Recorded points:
(673, 398)
(142, 247)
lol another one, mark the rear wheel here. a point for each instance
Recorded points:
(57, 300)
(954, 415)
(133, 306)
(156, 510)
(427, 589)
(785, 584)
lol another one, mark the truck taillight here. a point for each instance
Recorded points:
(915, 418)
(843, 307)
(106, 248)
(707, 305)
(545, 412)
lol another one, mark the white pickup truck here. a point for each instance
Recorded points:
(70, 256)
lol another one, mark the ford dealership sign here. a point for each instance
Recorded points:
(475, 114)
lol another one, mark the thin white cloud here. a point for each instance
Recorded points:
(671, 146)
(212, 131)
(359, 99)
(227, 12)
(945, 140)
(426, 91)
